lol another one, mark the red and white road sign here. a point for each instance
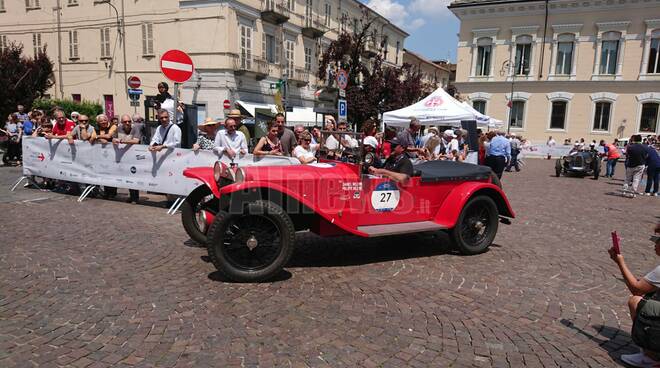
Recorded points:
(226, 104)
(134, 82)
(176, 65)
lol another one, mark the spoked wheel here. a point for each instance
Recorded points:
(253, 246)
(476, 227)
(197, 212)
(558, 168)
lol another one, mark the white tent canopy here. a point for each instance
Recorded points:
(438, 108)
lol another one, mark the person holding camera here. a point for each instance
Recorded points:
(644, 305)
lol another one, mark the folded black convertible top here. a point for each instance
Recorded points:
(433, 171)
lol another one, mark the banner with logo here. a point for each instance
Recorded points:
(125, 165)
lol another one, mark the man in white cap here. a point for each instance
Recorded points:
(449, 140)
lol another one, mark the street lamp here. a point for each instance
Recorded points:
(513, 67)
(121, 30)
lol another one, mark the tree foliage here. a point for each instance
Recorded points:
(89, 108)
(373, 87)
(23, 79)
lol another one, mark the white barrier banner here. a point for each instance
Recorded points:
(124, 165)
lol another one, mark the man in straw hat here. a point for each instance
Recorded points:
(238, 118)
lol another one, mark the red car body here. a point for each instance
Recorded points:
(330, 192)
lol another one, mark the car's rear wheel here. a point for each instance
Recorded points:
(476, 227)
(558, 167)
(195, 212)
(253, 246)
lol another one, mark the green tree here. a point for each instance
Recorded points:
(23, 79)
(373, 87)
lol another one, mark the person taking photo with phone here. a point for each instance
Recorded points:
(644, 305)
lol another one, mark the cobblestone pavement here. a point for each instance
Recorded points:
(104, 283)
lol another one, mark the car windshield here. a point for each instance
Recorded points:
(341, 145)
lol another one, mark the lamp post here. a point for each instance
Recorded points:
(513, 71)
(121, 29)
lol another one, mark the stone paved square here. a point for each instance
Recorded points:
(104, 283)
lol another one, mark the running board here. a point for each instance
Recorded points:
(404, 228)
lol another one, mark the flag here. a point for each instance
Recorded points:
(509, 104)
(318, 93)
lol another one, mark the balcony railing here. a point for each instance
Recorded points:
(300, 77)
(275, 11)
(313, 26)
(261, 68)
(371, 48)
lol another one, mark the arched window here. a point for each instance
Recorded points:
(648, 122)
(609, 52)
(654, 53)
(523, 54)
(565, 45)
(484, 52)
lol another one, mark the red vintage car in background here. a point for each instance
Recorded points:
(250, 215)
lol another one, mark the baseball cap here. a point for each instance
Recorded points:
(450, 132)
(370, 141)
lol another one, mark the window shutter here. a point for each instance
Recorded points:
(278, 50)
(75, 44)
(263, 45)
(145, 47)
(150, 38)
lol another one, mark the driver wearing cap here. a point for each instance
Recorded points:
(398, 166)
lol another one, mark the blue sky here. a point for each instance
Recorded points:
(431, 25)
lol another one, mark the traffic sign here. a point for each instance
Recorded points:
(342, 79)
(176, 65)
(135, 103)
(226, 104)
(342, 93)
(134, 91)
(134, 82)
(134, 96)
(342, 108)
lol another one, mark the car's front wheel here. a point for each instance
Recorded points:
(195, 212)
(253, 246)
(476, 226)
(558, 167)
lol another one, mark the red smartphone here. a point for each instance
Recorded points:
(615, 242)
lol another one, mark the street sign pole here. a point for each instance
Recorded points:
(175, 97)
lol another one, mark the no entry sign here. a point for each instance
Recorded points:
(134, 82)
(226, 104)
(176, 65)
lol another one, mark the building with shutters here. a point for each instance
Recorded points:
(239, 47)
(588, 68)
(434, 74)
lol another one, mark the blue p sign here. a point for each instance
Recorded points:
(342, 109)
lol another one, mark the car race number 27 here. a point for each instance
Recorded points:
(385, 197)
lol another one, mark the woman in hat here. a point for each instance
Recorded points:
(270, 144)
(206, 138)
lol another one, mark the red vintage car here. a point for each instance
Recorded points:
(250, 215)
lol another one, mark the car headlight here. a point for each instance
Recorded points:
(588, 160)
(228, 173)
(239, 175)
(567, 159)
(217, 171)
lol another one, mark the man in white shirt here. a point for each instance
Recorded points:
(167, 135)
(230, 141)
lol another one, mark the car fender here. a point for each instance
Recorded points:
(205, 175)
(250, 190)
(453, 204)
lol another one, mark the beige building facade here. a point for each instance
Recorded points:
(434, 74)
(239, 47)
(593, 72)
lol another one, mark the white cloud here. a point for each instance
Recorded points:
(396, 13)
(430, 8)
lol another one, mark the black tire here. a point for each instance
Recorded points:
(597, 168)
(192, 214)
(476, 226)
(270, 230)
(558, 167)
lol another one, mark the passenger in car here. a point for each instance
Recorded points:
(306, 151)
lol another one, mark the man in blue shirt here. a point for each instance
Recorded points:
(498, 153)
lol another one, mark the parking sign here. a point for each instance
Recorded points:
(342, 109)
